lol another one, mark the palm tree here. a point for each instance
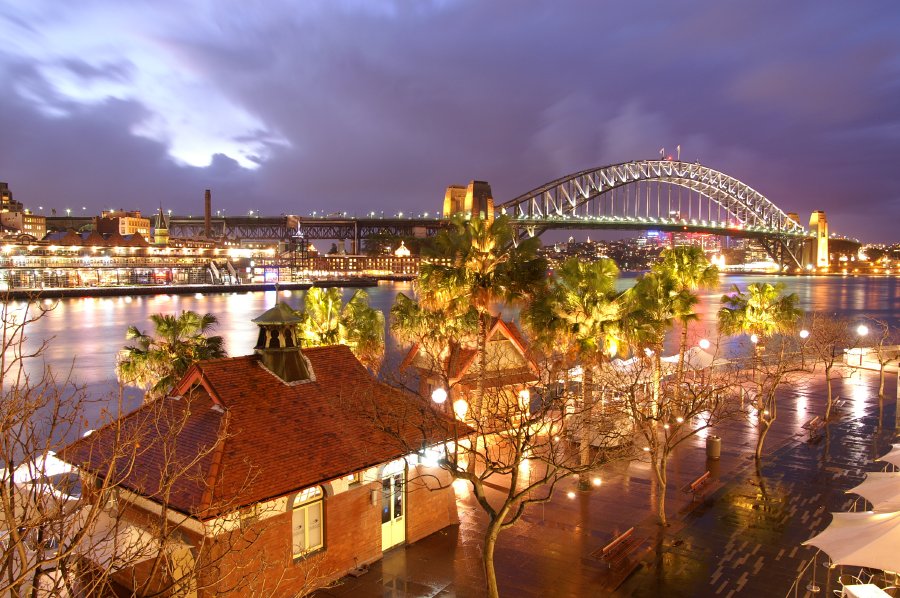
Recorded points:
(762, 312)
(479, 264)
(328, 321)
(155, 363)
(690, 272)
(653, 305)
(583, 305)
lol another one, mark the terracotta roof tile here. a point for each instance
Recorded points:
(275, 438)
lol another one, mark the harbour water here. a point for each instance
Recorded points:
(87, 333)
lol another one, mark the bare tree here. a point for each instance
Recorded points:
(77, 514)
(780, 361)
(885, 350)
(666, 413)
(512, 453)
(829, 335)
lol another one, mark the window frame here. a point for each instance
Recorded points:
(302, 503)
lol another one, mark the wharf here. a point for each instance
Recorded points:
(183, 289)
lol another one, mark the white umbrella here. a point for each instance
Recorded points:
(862, 540)
(893, 456)
(882, 489)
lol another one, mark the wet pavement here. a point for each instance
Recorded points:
(742, 538)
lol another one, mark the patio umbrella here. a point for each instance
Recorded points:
(892, 457)
(882, 489)
(862, 540)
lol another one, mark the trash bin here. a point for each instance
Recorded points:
(713, 447)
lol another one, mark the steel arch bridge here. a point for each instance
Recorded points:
(659, 194)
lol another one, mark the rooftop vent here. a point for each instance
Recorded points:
(278, 346)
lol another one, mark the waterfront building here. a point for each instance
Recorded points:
(24, 223)
(16, 220)
(510, 365)
(125, 223)
(293, 470)
(69, 260)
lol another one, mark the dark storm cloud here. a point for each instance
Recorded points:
(366, 107)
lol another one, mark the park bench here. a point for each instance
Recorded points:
(814, 427)
(838, 405)
(616, 552)
(696, 487)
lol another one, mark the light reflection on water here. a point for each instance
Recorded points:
(92, 330)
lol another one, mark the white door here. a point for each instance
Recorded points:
(393, 509)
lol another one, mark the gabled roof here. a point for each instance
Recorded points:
(94, 239)
(270, 438)
(136, 240)
(460, 358)
(67, 237)
(115, 239)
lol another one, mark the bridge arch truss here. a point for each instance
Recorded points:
(577, 195)
(663, 193)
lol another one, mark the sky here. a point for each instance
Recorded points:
(355, 105)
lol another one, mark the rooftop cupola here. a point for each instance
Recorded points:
(278, 346)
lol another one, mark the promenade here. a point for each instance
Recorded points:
(743, 538)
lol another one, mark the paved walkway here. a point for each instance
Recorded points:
(742, 539)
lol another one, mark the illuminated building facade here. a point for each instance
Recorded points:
(125, 223)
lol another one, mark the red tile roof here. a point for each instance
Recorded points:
(460, 358)
(262, 438)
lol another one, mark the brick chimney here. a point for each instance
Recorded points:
(207, 214)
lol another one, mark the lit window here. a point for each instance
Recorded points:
(353, 478)
(308, 522)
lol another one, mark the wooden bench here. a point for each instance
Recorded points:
(813, 426)
(696, 487)
(838, 405)
(616, 552)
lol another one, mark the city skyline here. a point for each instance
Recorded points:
(352, 106)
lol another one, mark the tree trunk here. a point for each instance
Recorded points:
(482, 365)
(660, 466)
(828, 396)
(477, 408)
(657, 381)
(766, 421)
(487, 556)
(679, 373)
(587, 423)
(881, 381)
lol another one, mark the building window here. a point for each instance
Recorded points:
(308, 522)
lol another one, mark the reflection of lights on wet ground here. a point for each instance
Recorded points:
(859, 391)
(570, 494)
(597, 481)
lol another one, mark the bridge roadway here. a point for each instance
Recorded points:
(285, 228)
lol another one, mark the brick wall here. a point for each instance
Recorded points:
(431, 503)
(256, 560)
(352, 538)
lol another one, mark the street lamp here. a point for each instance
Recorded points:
(862, 330)
(68, 212)
(704, 344)
(754, 338)
(439, 395)
(804, 334)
